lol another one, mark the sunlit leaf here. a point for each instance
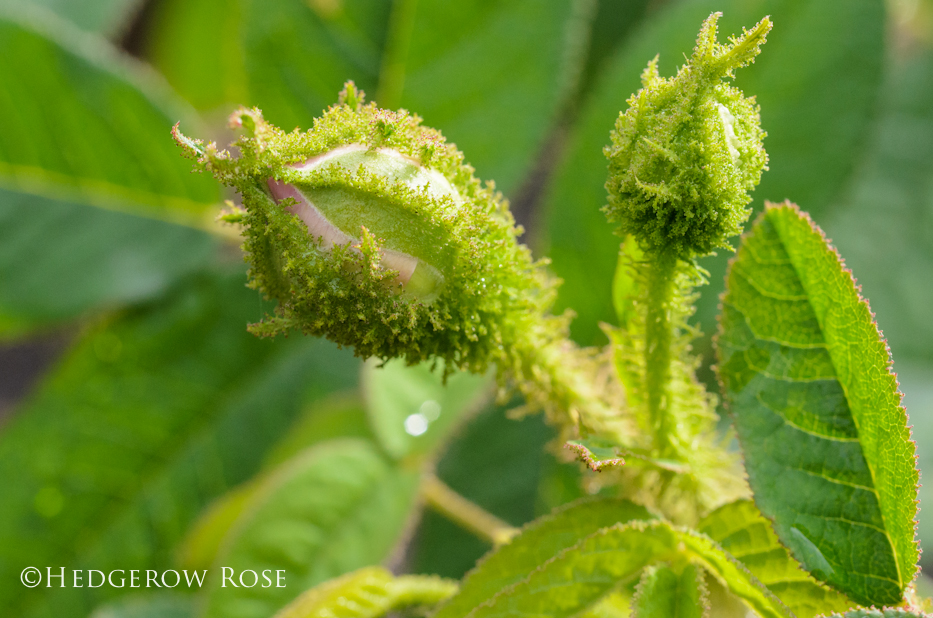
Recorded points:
(742, 531)
(663, 593)
(368, 593)
(807, 378)
(539, 542)
(584, 573)
(880, 613)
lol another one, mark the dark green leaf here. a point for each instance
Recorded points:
(81, 122)
(194, 44)
(539, 542)
(144, 422)
(581, 575)
(59, 260)
(662, 593)
(815, 80)
(882, 225)
(807, 377)
(747, 536)
(299, 54)
(411, 409)
(202, 543)
(492, 76)
(496, 463)
(339, 416)
(334, 508)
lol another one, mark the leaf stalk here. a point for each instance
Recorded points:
(465, 513)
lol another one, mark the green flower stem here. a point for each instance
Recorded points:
(658, 341)
(464, 513)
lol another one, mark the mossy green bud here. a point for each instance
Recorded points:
(687, 151)
(369, 229)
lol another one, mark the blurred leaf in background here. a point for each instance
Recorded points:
(143, 422)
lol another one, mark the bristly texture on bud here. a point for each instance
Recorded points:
(688, 150)
(369, 229)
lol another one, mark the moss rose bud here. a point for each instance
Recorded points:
(687, 151)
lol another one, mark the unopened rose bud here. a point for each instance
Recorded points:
(370, 229)
(688, 150)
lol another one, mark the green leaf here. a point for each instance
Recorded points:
(107, 17)
(807, 377)
(584, 573)
(193, 44)
(298, 54)
(337, 416)
(742, 531)
(60, 260)
(85, 124)
(613, 605)
(334, 508)
(539, 542)
(887, 247)
(154, 606)
(493, 76)
(496, 463)
(202, 544)
(815, 80)
(662, 593)
(411, 409)
(143, 422)
(368, 593)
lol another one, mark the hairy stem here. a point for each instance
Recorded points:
(658, 340)
(464, 513)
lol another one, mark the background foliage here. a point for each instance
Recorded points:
(132, 397)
